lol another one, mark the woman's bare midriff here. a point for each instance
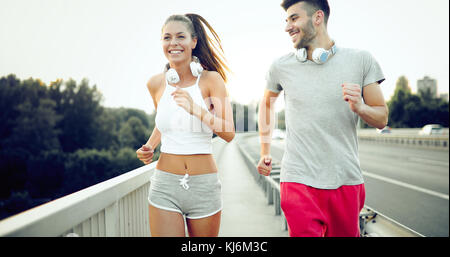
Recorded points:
(196, 164)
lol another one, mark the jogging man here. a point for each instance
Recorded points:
(327, 88)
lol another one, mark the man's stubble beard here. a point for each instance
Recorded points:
(309, 35)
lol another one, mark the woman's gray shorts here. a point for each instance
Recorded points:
(202, 199)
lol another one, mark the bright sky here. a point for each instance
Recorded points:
(115, 44)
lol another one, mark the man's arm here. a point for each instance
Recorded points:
(266, 123)
(373, 110)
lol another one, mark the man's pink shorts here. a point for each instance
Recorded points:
(312, 212)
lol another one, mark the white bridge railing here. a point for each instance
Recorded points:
(116, 207)
(436, 142)
(407, 137)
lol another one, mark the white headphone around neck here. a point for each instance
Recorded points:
(172, 75)
(319, 55)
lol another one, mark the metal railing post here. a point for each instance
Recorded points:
(112, 220)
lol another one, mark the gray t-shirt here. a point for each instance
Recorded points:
(321, 145)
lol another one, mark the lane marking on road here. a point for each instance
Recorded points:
(403, 184)
(433, 162)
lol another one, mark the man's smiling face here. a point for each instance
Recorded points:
(299, 25)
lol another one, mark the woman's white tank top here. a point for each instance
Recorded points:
(182, 133)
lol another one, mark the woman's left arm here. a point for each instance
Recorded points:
(221, 122)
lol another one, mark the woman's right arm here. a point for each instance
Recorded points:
(154, 139)
(145, 153)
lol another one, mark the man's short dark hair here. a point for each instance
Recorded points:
(313, 6)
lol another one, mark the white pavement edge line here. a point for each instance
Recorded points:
(399, 183)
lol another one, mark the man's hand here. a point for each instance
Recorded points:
(145, 154)
(265, 165)
(352, 94)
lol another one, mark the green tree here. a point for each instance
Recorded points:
(107, 131)
(407, 110)
(402, 84)
(124, 114)
(133, 133)
(28, 130)
(397, 111)
(80, 108)
(10, 96)
(18, 202)
(45, 174)
(125, 161)
(35, 127)
(84, 168)
(13, 170)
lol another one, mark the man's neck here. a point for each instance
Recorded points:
(322, 40)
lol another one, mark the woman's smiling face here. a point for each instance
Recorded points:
(177, 42)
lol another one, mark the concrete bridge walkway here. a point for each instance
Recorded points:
(245, 210)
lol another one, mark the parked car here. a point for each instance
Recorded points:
(431, 129)
(384, 130)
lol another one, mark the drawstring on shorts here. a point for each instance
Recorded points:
(183, 182)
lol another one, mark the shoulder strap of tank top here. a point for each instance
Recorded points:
(198, 79)
(166, 86)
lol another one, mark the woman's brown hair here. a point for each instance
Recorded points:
(209, 51)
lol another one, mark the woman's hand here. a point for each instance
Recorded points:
(183, 99)
(145, 154)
